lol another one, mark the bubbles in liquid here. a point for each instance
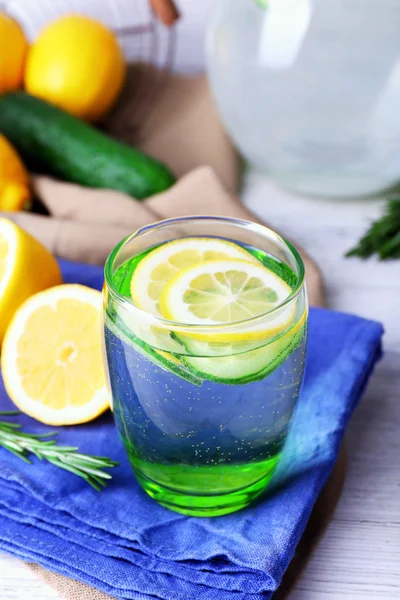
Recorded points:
(203, 438)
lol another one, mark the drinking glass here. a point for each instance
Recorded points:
(204, 410)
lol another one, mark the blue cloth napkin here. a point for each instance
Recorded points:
(125, 544)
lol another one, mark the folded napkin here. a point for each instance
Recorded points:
(170, 117)
(123, 543)
(86, 224)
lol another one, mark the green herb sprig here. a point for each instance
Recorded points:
(90, 468)
(383, 237)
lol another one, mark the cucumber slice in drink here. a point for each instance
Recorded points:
(204, 282)
(250, 366)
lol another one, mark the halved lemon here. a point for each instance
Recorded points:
(52, 358)
(159, 266)
(26, 267)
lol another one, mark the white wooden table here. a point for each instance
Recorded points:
(358, 556)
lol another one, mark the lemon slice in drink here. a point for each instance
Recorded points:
(209, 281)
(152, 274)
(224, 292)
(161, 264)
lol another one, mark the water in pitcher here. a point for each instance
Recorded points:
(310, 91)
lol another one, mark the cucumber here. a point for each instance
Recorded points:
(246, 367)
(55, 142)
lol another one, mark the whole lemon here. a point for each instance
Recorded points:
(13, 50)
(76, 63)
(14, 179)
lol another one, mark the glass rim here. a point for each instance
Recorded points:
(212, 328)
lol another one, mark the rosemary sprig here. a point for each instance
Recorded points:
(383, 237)
(90, 468)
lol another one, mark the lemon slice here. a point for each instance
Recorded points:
(52, 359)
(26, 267)
(159, 266)
(224, 291)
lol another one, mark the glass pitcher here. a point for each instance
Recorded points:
(310, 90)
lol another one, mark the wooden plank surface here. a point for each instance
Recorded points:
(358, 556)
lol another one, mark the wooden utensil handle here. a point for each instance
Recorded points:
(166, 11)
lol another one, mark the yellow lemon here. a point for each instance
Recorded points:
(227, 291)
(155, 270)
(26, 267)
(76, 63)
(52, 359)
(13, 50)
(222, 291)
(14, 179)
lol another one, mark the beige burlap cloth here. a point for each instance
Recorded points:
(84, 224)
(183, 129)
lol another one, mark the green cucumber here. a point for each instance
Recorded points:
(246, 367)
(57, 143)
